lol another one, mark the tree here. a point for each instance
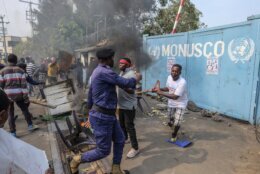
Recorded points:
(56, 28)
(116, 14)
(163, 20)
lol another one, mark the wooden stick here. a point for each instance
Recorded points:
(43, 104)
(144, 91)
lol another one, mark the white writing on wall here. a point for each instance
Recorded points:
(208, 49)
(239, 49)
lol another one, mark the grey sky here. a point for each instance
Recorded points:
(215, 13)
(14, 12)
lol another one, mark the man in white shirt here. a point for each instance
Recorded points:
(176, 86)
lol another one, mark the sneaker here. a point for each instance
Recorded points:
(74, 163)
(174, 139)
(32, 127)
(132, 153)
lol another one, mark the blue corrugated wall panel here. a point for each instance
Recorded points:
(221, 66)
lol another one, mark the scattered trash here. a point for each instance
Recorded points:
(51, 118)
(193, 107)
(213, 115)
(161, 106)
(153, 97)
(217, 118)
(207, 113)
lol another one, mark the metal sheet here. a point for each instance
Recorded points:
(220, 65)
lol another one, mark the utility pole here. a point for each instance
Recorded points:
(30, 15)
(3, 29)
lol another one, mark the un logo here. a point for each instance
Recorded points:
(154, 51)
(241, 49)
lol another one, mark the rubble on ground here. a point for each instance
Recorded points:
(157, 112)
(161, 106)
(215, 116)
(193, 107)
(207, 113)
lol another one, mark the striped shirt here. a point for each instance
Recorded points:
(30, 69)
(13, 82)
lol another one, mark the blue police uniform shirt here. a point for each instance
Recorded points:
(102, 91)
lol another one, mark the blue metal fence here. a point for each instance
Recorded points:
(221, 66)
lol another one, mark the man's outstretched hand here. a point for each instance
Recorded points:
(138, 77)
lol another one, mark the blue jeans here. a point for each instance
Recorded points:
(106, 129)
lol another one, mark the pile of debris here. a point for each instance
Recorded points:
(213, 115)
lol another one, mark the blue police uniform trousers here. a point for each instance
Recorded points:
(106, 129)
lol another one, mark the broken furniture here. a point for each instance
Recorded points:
(77, 138)
(60, 95)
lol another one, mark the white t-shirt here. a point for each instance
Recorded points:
(178, 88)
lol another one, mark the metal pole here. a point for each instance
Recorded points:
(4, 43)
(178, 16)
(30, 17)
(31, 20)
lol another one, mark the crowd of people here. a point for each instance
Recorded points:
(108, 91)
(19, 80)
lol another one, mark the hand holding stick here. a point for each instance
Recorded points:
(154, 89)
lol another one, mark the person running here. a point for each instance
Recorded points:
(176, 88)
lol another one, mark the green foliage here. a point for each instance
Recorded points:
(162, 22)
(57, 29)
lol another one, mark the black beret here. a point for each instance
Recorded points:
(105, 53)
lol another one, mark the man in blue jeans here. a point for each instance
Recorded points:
(102, 100)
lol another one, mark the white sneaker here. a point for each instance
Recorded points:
(132, 153)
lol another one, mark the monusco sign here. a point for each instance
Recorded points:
(239, 49)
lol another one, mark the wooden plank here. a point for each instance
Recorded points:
(59, 101)
(58, 95)
(64, 108)
(48, 92)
